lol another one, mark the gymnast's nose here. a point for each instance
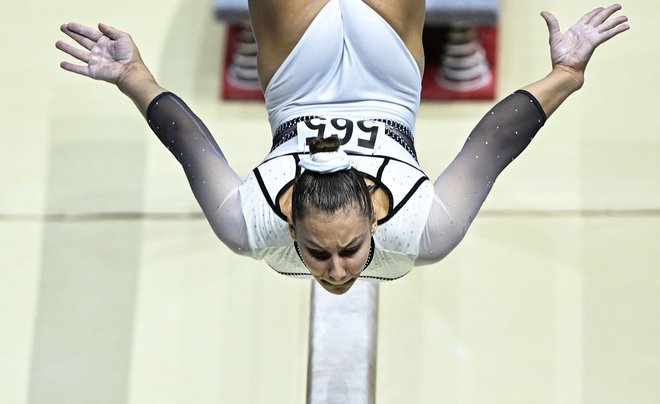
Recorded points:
(337, 272)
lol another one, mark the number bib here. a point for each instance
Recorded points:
(362, 136)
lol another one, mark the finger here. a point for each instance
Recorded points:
(73, 51)
(614, 32)
(608, 25)
(586, 19)
(83, 40)
(605, 14)
(85, 31)
(111, 32)
(82, 70)
(551, 22)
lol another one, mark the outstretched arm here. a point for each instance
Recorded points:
(110, 55)
(506, 130)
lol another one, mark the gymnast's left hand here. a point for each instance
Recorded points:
(108, 54)
(572, 49)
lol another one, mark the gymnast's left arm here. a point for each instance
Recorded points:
(110, 55)
(506, 130)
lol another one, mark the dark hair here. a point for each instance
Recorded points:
(332, 192)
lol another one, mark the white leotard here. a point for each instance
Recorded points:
(341, 66)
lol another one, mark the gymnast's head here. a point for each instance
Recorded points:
(332, 217)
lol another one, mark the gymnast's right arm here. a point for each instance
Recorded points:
(111, 55)
(506, 130)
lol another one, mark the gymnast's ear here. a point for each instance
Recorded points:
(374, 225)
(292, 230)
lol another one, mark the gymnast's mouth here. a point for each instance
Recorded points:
(337, 289)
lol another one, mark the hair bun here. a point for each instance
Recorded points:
(325, 145)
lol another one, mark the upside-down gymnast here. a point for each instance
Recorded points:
(341, 195)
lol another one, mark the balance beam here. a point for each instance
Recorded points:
(342, 345)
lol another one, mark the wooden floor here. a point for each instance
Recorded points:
(113, 289)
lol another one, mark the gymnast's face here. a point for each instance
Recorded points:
(334, 247)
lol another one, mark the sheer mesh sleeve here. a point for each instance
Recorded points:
(214, 183)
(501, 135)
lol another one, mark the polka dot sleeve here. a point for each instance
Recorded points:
(214, 183)
(501, 135)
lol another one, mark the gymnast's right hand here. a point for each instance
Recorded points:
(108, 54)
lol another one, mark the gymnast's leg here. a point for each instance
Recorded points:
(278, 25)
(406, 18)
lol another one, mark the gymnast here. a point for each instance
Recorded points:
(341, 194)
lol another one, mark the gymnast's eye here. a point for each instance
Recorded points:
(349, 252)
(319, 255)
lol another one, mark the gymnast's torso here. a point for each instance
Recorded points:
(349, 75)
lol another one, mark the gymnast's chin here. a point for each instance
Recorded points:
(337, 289)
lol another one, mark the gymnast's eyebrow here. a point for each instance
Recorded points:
(357, 240)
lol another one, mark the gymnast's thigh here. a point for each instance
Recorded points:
(278, 25)
(406, 18)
